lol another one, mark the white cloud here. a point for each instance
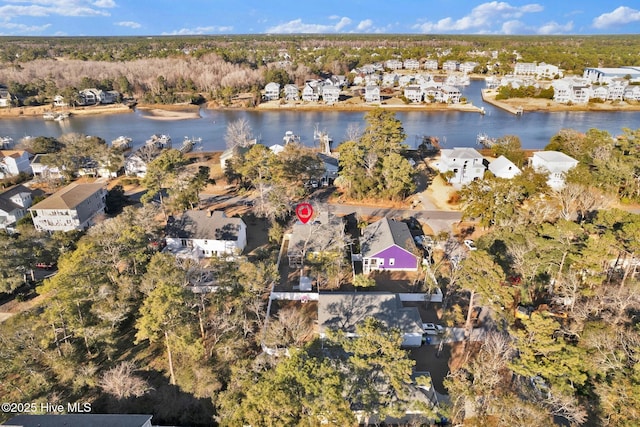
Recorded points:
(297, 26)
(199, 30)
(129, 24)
(364, 25)
(23, 29)
(554, 28)
(17, 8)
(620, 16)
(482, 18)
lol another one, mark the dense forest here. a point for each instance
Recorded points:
(198, 68)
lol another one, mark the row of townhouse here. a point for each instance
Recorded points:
(465, 165)
(407, 64)
(90, 96)
(577, 90)
(414, 64)
(540, 71)
(328, 90)
(433, 93)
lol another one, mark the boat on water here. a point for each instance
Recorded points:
(61, 116)
(485, 140)
(290, 138)
(49, 115)
(188, 144)
(5, 142)
(122, 143)
(159, 141)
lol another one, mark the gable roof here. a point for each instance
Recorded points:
(69, 197)
(383, 234)
(461, 153)
(344, 311)
(16, 154)
(213, 225)
(501, 165)
(7, 205)
(554, 157)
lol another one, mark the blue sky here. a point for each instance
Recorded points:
(176, 17)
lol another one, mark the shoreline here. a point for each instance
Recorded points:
(548, 106)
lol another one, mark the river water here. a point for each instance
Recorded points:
(454, 129)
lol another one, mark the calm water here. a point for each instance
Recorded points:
(452, 128)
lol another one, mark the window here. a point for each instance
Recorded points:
(381, 261)
(392, 261)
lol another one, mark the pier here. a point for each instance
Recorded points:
(508, 108)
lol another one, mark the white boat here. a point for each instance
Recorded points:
(122, 142)
(188, 144)
(49, 115)
(159, 141)
(484, 140)
(5, 142)
(61, 116)
(290, 138)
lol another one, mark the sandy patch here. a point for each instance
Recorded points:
(536, 104)
(164, 114)
(439, 193)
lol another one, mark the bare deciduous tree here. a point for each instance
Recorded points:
(239, 133)
(121, 382)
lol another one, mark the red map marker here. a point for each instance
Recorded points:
(304, 211)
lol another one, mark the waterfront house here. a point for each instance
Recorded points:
(468, 67)
(504, 168)
(272, 91)
(450, 65)
(74, 207)
(616, 89)
(291, 92)
(343, 311)
(58, 101)
(203, 234)
(14, 203)
(464, 165)
(555, 164)
(413, 94)
(605, 75)
(387, 245)
(571, 90)
(547, 71)
(411, 64)
(430, 64)
(372, 94)
(311, 92)
(449, 95)
(89, 96)
(632, 93)
(5, 97)
(14, 162)
(330, 94)
(393, 64)
(525, 68)
(42, 170)
(600, 92)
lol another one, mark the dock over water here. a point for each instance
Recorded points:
(508, 108)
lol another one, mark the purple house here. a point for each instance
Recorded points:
(387, 245)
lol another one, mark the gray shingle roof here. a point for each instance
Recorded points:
(385, 233)
(205, 225)
(343, 311)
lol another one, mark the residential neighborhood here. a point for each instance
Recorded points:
(353, 259)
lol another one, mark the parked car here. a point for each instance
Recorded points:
(423, 241)
(470, 244)
(432, 329)
(45, 265)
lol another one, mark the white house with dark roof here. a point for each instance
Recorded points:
(555, 164)
(291, 92)
(13, 162)
(372, 93)
(411, 64)
(388, 245)
(74, 207)
(14, 203)
(343, 311)
(504, 168)
(311, 92)
(42, 170)
(467, 164)
(272, 91)
(330, 94)
(204, 234)
(413, 93)
(430, 64)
